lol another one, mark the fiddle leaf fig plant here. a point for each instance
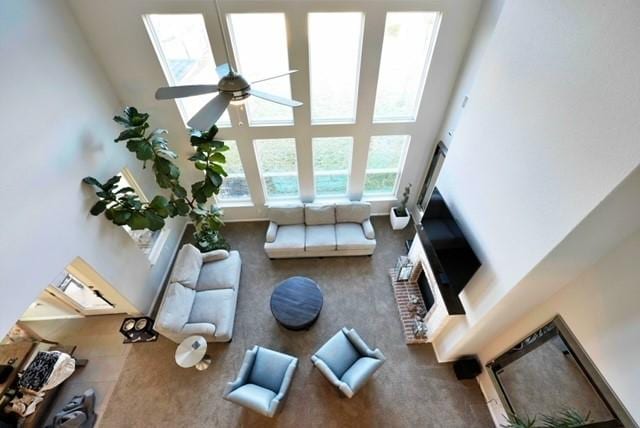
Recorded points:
(122, 206)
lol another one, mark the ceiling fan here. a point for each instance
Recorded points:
(232, 88)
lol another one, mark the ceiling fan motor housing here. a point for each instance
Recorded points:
(236, 85)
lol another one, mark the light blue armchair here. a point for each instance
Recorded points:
(347, 361)
(263, 381)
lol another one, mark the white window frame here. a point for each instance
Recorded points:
(348, 171)
(238, 200)
(303, 130)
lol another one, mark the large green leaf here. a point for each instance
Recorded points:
(129, 133)
(92, 181)
(217, 168)
(111, 182)
(144, 152)
(180, 191)
(155, 221)
(121, 217)
(218, 157)
(98, 208)
(159, 201)
(214, 178)
(181, 206)
(138, 221)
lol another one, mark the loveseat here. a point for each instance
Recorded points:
(201, 296)
(320, 230)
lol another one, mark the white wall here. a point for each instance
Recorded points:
(601, 309)
(56, 120)
(550, 129)
(136, 75)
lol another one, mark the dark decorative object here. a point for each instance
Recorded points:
(138, 329)
(404, 267)
(296, 303)
(419, 328)
(467, 368)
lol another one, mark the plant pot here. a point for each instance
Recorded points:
(399, 222)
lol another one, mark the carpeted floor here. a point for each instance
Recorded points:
(411, 389)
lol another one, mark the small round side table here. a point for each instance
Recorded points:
(192, 352)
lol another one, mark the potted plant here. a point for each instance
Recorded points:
(400, 215)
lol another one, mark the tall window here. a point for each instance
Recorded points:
(278, 167)
(334, 64)
(234, 186)
(332, 165)
(260, 45)
(183, 49)
(406, 52)
(387, 154)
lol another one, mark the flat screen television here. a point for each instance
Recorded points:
(451, 257)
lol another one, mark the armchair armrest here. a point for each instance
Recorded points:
(214, 255)
(245, 370)
(326, 371)
(362, 347)
(272, 231)
(204, 328)
(286, 383)
(367, 227)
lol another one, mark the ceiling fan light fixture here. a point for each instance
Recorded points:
(240, 99)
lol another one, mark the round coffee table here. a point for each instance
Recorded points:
(296, 303)
(191, 352)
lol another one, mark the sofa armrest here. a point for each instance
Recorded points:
(245, 370)
(272, 231)
(367, 227)
(199, 328)
(326, 371)
(214, 255)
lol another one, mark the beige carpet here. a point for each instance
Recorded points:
(410, 390)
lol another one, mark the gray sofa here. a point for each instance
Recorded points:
(320, 230)
(347, 361)
(201, 296)
(263, 381)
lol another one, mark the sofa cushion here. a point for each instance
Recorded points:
(216, 307)
(187, 266)
(176, 307)
(360, 372)
(350, 236)
(252, 396)
(289, 237)
(338, 354)
(315, 214)
(269, 369)
(285, 214)
(320, 238)
(352, 212)
(220, 274)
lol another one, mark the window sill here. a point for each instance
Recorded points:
(380, 198)
(235, 204)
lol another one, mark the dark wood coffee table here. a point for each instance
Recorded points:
(296, 303)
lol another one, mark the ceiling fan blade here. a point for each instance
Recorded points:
(184, 91)
(274, 98)
(211, 112)
(223, 70)
(275, 77)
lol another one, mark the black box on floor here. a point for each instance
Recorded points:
(467, 368)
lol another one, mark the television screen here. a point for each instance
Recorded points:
(456, 262)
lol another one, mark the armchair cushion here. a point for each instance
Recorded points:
(285, 214)
(352, 212)
(338, 354)
(220, 274)
(212, 256)
(269, 369)
(252, 396)
(315, 214)
(358, 374)
(176, 307)
(187, 266)
(350, 236)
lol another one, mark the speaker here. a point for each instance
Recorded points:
(467, 368)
